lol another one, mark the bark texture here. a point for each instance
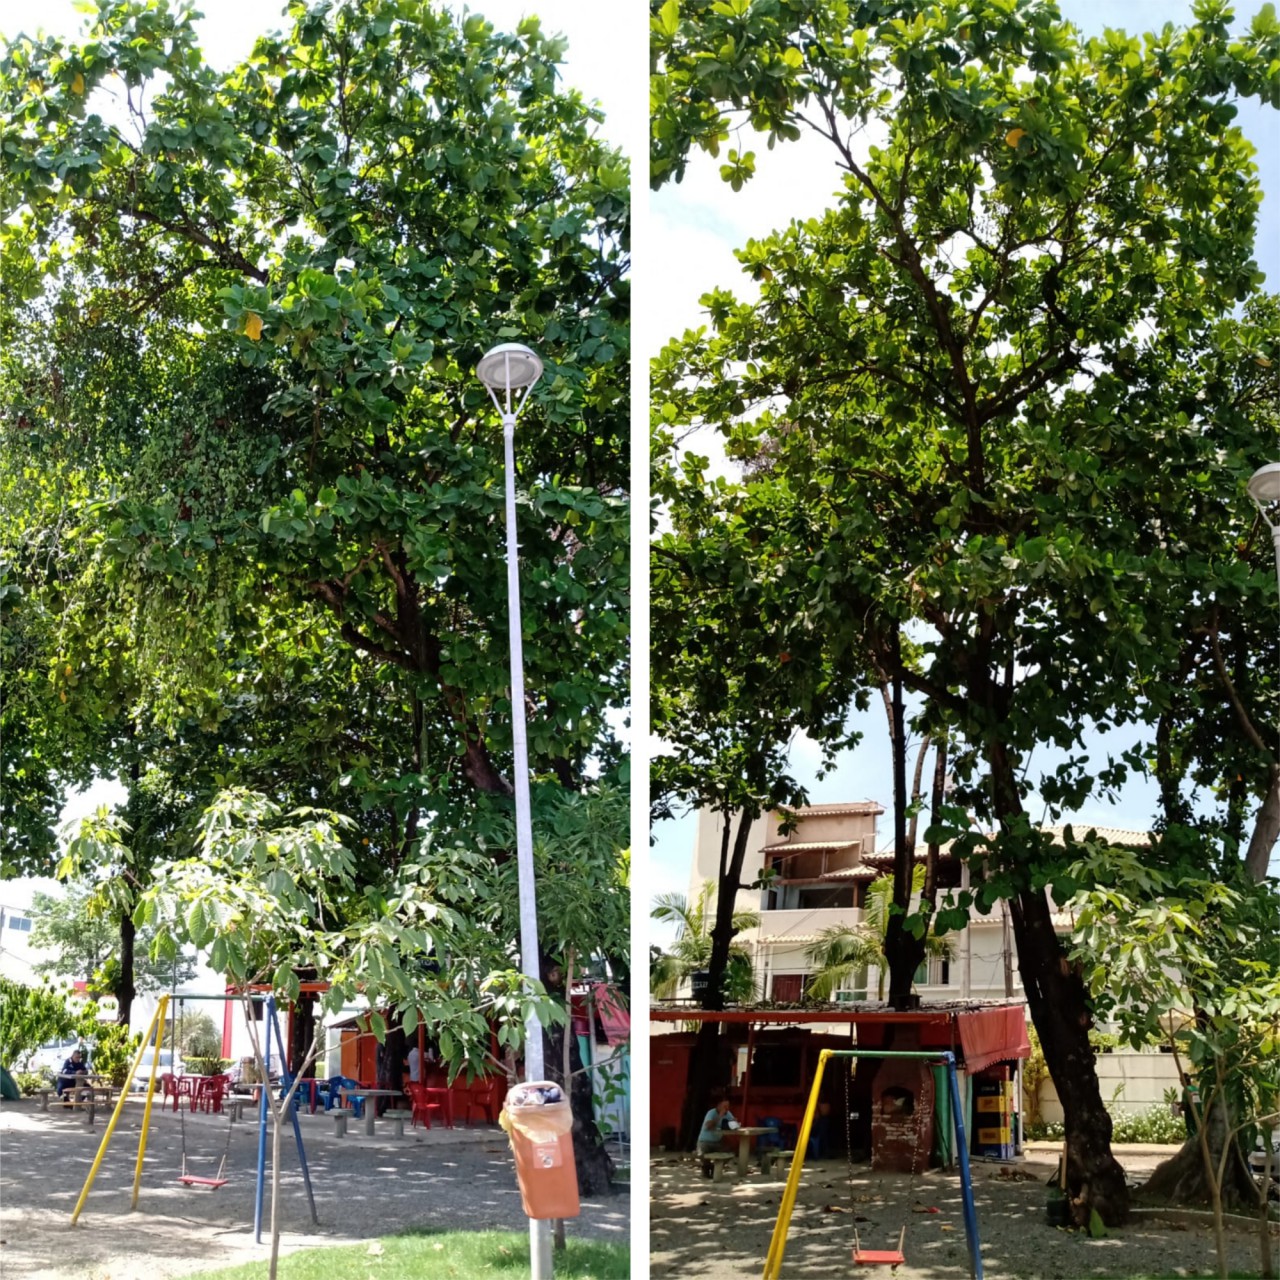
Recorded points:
(703, 1063)
(1181, 1179)
(1057, 999)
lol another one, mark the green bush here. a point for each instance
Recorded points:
(113, 1051)
(206, 1065)
(29, 1081)
(1155, 1124)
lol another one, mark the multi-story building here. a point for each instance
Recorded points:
(822, 859)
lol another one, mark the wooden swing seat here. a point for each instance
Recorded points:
(190, 1180)
(879, 1257)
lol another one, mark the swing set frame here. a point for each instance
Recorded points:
(778, 1244)
(156, 1031)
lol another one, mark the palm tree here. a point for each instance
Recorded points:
(847, 951)
(691, 950)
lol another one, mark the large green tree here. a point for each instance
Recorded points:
(272, 286)
(983, 385)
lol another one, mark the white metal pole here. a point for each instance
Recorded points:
(1275, 542)
(520, 768)
(539, 1230)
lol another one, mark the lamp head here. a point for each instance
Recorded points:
(510, 366)
(1264, 485)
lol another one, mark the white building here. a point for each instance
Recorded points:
(821, 870)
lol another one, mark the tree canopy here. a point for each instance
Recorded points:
(999, 399)
(243, 313)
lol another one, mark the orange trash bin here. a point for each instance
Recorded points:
(539, 1122)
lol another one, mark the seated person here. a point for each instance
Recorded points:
(714, 1123)
(74, 1066)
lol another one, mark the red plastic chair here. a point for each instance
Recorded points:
(168, 1089)
(482, 1096)
(424, 1100)
(211, 1093)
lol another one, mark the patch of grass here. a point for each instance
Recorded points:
(442, 1255)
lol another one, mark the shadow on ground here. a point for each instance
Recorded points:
(449, 1180)
(718, 1231)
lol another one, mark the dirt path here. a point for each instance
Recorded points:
(450, 1179)
(722, 1231)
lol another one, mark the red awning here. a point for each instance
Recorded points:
(613, 1016)
(992, 1035)
(614, 1019)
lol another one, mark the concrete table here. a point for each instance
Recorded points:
(744, 1134)
(370, 1112)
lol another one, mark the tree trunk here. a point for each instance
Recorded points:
(703, 1061)
(1266, 828)
(390, 1060)
(302, 1034)
(1057, 1000)
(903, 952)
(125, 990)
(595, 1165)
(1183, 1179)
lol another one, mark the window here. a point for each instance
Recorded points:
(21, 923)
(825, 897)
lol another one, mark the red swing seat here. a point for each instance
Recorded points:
(190, 1180)
(879, 1257)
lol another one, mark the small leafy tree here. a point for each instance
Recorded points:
(1197, 962)
(28, 1017)
(270, 894)
(112, 1050)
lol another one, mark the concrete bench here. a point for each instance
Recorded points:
(235, 1107)
(87, 1098)
(718, 1161)
(770, 1156)
(340, 1123)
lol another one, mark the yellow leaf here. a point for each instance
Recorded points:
(1263, 361)
(1014, 136)
(62, 693)
(68, 668)
(77, 85)
(253, 327)
(34, 86)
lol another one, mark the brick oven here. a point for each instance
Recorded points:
(902, 1116)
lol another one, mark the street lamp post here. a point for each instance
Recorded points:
(511, 369)
(1264, 489)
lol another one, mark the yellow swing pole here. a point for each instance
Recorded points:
(119, 1111)
(151, 1093)
(773, 1263)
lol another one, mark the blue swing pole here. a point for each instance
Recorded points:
(287, 1080)
(262, 1139)
(966, 1179)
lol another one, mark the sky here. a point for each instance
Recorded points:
(700, 221)
(230, 27)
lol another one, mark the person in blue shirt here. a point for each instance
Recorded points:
(714, 1122)
(74, 1066)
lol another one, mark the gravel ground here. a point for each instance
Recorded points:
(364, 1187)
(719, 1231)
